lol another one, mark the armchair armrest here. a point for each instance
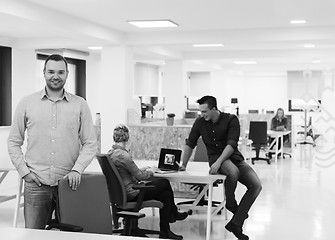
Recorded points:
(143, 187)
(64, 227)
(127, 214)
(140, 198)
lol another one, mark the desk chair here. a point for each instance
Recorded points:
(259, 137)
(201, 156)
(87, 209)
(118, 197)
(307, 132)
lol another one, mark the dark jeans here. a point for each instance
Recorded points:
(240, 171)
(39, 204)
(163, 193)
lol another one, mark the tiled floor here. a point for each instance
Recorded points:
(297, 202)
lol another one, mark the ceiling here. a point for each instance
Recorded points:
(257, 30)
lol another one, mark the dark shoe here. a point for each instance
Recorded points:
(236, 230)
(170, 235)
(178, 217)
(234, 209)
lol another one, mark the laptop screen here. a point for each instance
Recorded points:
(169, 159)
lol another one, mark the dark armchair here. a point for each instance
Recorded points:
(118, 198)
(88, 208)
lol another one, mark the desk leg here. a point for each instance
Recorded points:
(3, 175)
(18, 201)
(278, 151)
(209, 211)
(280, 139)
(276, 148)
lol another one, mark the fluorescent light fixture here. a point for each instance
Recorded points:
(153, 23)
(309, 45)
(95, 48)
(245, 62)
(298, 21)
(316, 61)
(208, 45)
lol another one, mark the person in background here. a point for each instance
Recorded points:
(220, 133)
(279, 123)
(61, 142)
(132, 175)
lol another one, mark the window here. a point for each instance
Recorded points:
(6, 86)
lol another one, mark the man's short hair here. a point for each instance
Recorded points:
(209, 100)
(121, 134)
(55, 57)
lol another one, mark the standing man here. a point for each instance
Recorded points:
(61, 142)
(220, 133)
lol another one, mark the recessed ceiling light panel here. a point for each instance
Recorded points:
(309, 45)
(208, 45)
(95, 48)
(153, 23)
(245, 62)
(298, 21)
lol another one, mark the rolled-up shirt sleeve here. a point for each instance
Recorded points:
(233, 131)
(194, 135)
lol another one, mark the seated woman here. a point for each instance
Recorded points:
(132, 175)
(279, 123)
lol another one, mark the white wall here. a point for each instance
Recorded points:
(25, 80)
(146, 80)
(199, 84)
(174, 84)
(254, 90)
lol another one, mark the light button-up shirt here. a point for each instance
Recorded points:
(60, 136)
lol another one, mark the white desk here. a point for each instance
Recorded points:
(196, 172)
(24, 234)
(3, 173)
(278, 138)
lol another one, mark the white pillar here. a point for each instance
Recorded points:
(115, 90)
(174, 85)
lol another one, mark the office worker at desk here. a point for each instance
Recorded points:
(132, 175)
(220, 133)
(279, 123)
(61, 142)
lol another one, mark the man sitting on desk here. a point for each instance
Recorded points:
(220, 133)
(279, 123)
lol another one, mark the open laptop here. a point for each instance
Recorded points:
(169, 160)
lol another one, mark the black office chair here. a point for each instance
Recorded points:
(86, 209)
(118, 198)
(200, 155)
(259, 137)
